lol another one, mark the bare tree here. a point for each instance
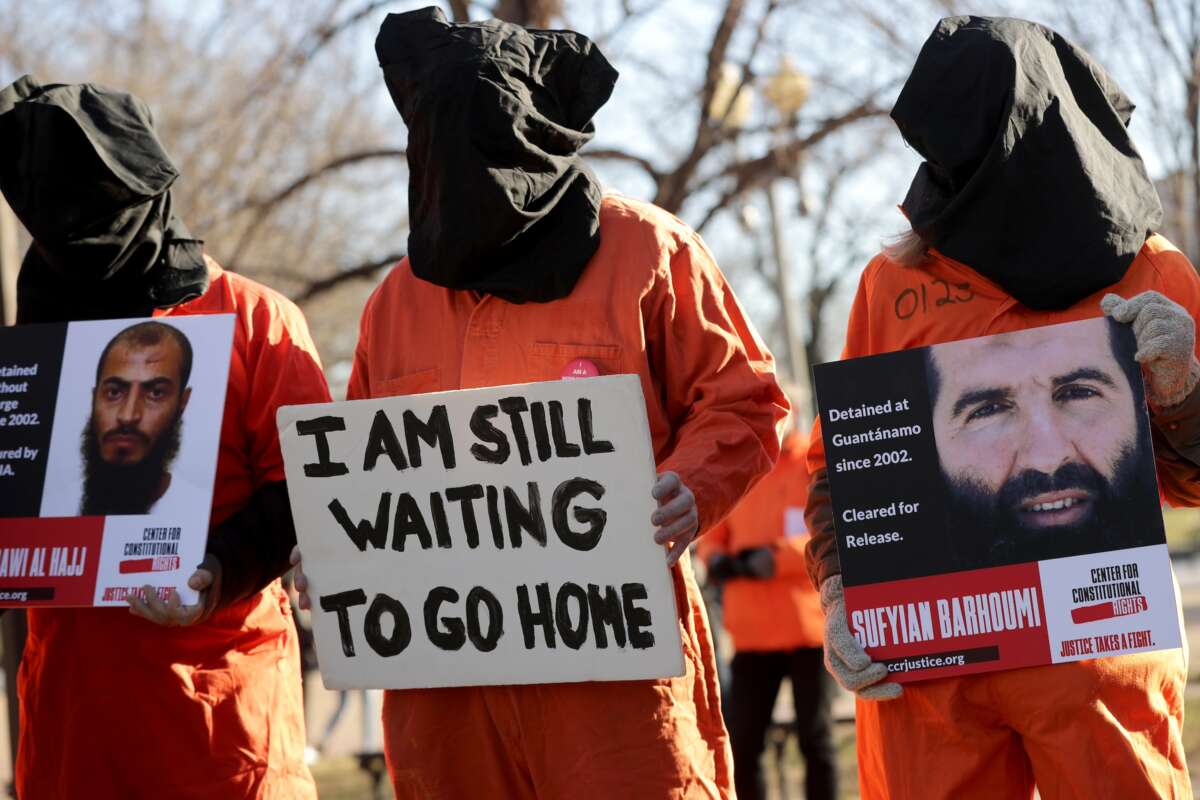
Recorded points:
(1152, 47)
(721, 163)
(293, 160)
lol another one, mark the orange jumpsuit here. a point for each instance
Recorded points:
(1109, 727)
(777, 628)
(651, 302)
(114, 706)
(782, 612)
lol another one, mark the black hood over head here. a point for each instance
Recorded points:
(500, 200)
(1030, 176)
(85, 173)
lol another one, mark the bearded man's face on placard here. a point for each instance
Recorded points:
(133, 433)
(1040, 442)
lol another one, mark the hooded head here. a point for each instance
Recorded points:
(1030, 176)
(85, 173)
(499, 199)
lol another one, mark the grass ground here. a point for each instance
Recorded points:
(341, 779)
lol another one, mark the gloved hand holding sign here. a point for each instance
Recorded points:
(1166, 342)
(845, 658)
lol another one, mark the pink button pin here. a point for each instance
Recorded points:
(580, 368)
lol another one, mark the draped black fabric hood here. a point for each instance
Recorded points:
(85, 173)
(500, 201)
(1030, 175)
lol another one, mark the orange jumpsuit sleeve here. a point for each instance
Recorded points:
(818, 510)
(284, 369)
(1176, 432)
(359, 387)
(717, 380)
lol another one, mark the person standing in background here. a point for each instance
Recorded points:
(773, 614)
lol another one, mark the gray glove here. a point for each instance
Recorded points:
(845, 658)
(1166, 341)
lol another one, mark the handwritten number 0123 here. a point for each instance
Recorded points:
(910, 301)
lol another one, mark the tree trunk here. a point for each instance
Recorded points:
(795, 366)
(530, 13)
(1191, 247)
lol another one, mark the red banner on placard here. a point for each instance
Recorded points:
(954, 624)
(1122, 607)
(50, 560)
(156, 564)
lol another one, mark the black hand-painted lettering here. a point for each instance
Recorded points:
(493, 509)
(382, 440)
(606, 611)
(441, 526)
(573, 634)
(906, 304)
(563, 447)
(514, 407)
(521, 518)
(947, 299)
(409, 522)
(401, 635)
(451, 634)
(434, 432)
(910, 301)
(341, 603)
(594, 518)
(364, 533)
(484, 642)
(591, 445)
(530, 619)
(541, 432)
(636, 617)
(485, 431)
(321, 427)
(466, 496)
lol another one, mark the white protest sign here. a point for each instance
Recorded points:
(481, 537)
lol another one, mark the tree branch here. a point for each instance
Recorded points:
(673, 188)
(323, 285)
(752, 173)
(612, 154)
(333, 165)
(1160, 31)
(326, 33)
(716, 57)
(628, 15)
(264, 206)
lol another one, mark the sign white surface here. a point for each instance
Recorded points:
(481, 537)
(107, 460)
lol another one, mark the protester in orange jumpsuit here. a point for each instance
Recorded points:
(519, 271)
(1032, 206)
(113, 705)
(773, 613)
